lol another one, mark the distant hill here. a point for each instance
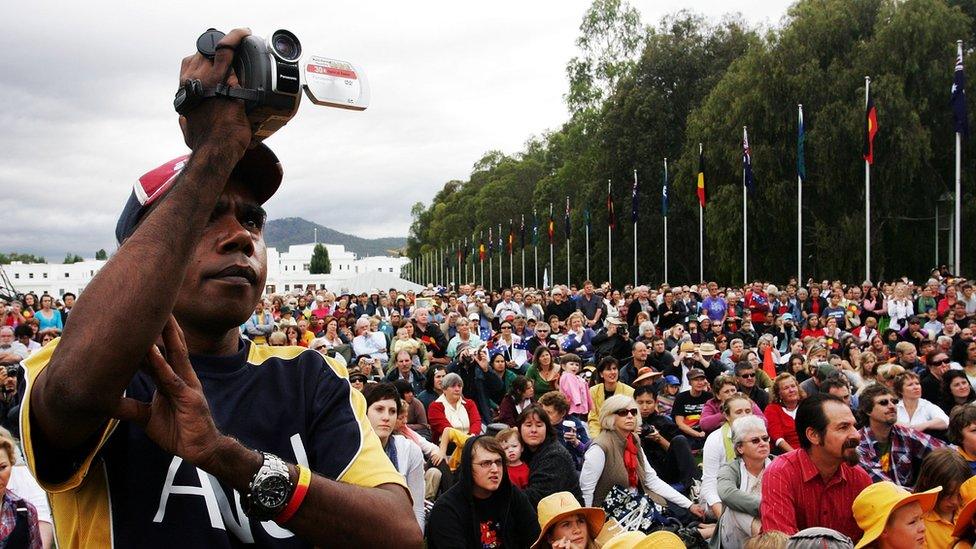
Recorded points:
(281, 233)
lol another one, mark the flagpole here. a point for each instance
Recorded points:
(550, 229)
(666, 224)
(568, 277)
(799, 210)
(609, 243)
(501, 251)
(535, 253)
(957, 267)
(745, 224)
(635, 229)
(867, 196)
(535, 245)
(511, 270)
(587, 232)
(701, 233)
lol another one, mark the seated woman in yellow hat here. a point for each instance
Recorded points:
(565, 524)
(891, 517)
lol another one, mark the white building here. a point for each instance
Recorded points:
(287, 271)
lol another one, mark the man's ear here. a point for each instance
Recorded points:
(813, 436)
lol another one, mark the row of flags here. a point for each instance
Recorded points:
(464, 249)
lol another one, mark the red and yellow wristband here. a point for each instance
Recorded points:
(298, 496)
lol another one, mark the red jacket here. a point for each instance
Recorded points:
(438, 419)
(781, 425)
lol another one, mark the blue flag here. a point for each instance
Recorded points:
(747, 161)
(959, 99)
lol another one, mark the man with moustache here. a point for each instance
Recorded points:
(483, 508)
(888, 451)
(815, 485)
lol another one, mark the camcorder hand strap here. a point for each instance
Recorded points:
(192, 93)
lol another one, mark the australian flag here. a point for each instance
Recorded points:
(959, 99)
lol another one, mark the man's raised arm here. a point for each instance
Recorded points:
(88, 371)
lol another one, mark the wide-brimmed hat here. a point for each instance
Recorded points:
(646, 373)
(555, 507)
(819, 538)
(707, 349)
(964, 520)
(637, 540)
(874, 505)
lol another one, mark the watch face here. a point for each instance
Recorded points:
(273, 492)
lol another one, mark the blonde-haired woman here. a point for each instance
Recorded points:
(577, 338)
(615, 458)
(19, 526)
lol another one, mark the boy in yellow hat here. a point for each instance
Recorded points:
(891, 517)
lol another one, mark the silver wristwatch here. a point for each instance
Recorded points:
(269, 490)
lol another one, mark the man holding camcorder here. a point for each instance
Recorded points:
(181, 433)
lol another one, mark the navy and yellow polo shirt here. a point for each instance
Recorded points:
(289, 401)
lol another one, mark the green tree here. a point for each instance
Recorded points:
(101, 255)
(320, 263)
(6, 259)
(611, 36)
(72, 258)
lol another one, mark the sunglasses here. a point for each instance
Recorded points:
(757, 440)
(942, 362)
(885, 402)
(747, 376)
(627, 412)
(506, 327)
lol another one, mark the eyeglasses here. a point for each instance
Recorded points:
(489, 463)
(885, 402)
(506, 327)
(627, 412)
(747, 376)
(757, 440)
(942, 362)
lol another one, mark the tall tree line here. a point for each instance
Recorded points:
(638, 94)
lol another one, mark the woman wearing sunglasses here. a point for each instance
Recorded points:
(615, 458)
(740, 483)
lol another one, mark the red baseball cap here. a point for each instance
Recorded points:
(258, 167)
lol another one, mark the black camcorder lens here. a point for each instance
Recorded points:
(286, 45)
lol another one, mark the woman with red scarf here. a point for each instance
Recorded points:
(615, 458)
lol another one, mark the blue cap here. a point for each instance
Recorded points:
(672, 380)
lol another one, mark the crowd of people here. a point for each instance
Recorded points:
(732, 413)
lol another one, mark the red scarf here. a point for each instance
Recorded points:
(630, 461)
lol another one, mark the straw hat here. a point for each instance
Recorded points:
(874, 505)
(627, 540)
(964, 520)
(560, 505)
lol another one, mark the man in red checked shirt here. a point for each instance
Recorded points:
(816, 484)
(757, 302)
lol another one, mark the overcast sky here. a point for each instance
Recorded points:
(87, 92)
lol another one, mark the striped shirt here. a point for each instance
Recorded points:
(795, 496)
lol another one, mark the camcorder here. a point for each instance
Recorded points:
(272, 74)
